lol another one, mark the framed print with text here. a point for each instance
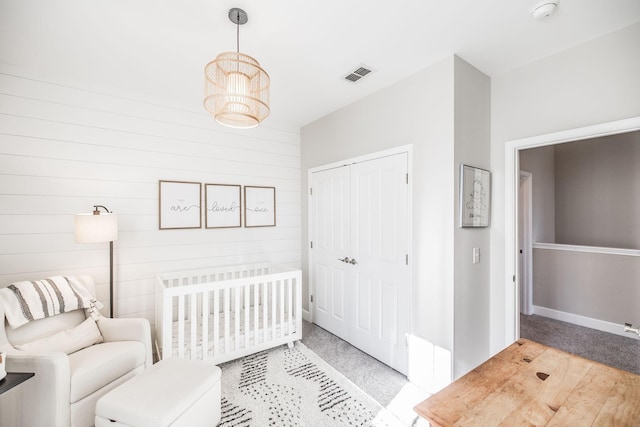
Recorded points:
(179, 205)
(223, 206)
(259, 206)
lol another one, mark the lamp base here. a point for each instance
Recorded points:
(111, 279)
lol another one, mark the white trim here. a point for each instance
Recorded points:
(310, 287)
(511, 298)
(306, 315)
(527, 267)
(588, 249)
(587, 132)
(588, 322)
(364, 158)
(512, 171)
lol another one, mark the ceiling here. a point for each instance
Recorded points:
(157, 49)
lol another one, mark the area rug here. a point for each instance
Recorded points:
(294, 388)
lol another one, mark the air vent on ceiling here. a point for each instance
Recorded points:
(360, 72)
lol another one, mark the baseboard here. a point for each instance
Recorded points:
(576, 319)
(306, 315)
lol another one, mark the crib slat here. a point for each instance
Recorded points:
(247, 311)
(290, 306)
(281, 284)
(226, 320)
(205, 325)
(237, 316)
(274, 317)
(256, 318)
(193, 302)
(181, 326)
(216, 321)
(265, 306)
(167, 329)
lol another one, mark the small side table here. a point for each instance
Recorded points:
(13, 379)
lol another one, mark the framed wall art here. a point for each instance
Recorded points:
(223, 205)
(475, 196)
(179, 205)
(259, 206)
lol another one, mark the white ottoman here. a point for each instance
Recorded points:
(173, 392)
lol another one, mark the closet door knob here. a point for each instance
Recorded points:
(353, 261)
(345, 259)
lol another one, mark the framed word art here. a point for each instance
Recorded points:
(180, 205)
(475, 196)
(223, 206)
(259, 206)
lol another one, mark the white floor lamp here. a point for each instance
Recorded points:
(99, 227)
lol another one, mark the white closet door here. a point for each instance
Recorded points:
(330, 216)
(360, 212)
(380, 275)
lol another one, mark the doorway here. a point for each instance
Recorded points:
(359, 274)
(512, 276)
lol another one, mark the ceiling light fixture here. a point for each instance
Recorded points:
(544, 9)
(236, 88)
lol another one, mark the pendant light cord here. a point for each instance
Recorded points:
(238, 32)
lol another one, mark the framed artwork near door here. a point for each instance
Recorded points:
(475, 196)
(259, 206)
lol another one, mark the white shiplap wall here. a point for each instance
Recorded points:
(64, 149)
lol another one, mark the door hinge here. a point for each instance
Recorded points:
(311, 298)
(514, 278)
(406, 259)
(311, 244)
(311, 191)
(407, 178)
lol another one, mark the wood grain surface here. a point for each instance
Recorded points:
(530, 384)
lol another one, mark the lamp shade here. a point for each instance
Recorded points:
(92, 228)
(236, 90)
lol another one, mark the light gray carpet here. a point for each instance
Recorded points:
(375, 378)
(613, 350)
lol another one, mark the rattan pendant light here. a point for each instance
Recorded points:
(236, 88)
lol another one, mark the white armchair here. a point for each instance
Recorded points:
(66, 387)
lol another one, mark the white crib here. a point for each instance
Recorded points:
(219, 314)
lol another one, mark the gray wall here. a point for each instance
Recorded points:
(471, 285)
(444, 112)
(541, 163)
(587, 192)
(595, 82)
(419, 111)
(597, 286)
(597, 194)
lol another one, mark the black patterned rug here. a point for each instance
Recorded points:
(286, 387)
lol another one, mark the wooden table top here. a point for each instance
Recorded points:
(535, 385)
